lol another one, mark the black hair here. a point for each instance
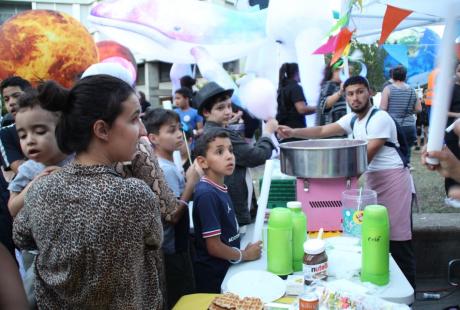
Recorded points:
(357, 79)
(212, 101)
(93, 98)
(29, 99)
(155, 118)
(142, 96)
(202, 143)
(185, 92)
(287, 71)
(187, 81)
(399, 73)
(391, 73)
(329, 70)
(15, 81)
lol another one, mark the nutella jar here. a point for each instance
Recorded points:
(314, 260)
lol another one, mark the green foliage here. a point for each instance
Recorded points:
(373, 57)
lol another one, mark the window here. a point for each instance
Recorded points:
(9, 9)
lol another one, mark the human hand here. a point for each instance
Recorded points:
(449, 165)
(193, 173)
(235, 117)
(285, 132)
(252, 251)
(47, 171)
(457, 130)
(271, 125)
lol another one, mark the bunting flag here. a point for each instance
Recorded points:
(342, 22)
(343, 38)
(327, 47)
(392, 18)
(346, 51)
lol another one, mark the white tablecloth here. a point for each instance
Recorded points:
(398, 290)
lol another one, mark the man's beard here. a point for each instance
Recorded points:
(362, 109)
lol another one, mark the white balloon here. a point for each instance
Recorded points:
(177, 71)
(259, 97)
(214, 72)
(311, 67)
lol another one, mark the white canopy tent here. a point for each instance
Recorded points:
(368, 21)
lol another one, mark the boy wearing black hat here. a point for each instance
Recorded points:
(215, 105)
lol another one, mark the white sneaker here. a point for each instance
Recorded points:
(451, 202)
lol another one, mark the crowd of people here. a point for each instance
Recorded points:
(95, 207)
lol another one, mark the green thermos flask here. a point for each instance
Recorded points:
(279, 242)
(375, 241)
(299, 233)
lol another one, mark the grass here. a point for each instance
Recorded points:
(430, 188)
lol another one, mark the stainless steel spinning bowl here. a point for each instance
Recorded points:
(324, 158)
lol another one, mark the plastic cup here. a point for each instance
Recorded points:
(353, 203)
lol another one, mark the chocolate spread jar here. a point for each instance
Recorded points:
(314, 260)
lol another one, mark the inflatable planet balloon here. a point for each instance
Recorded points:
(111, 51)
(40, 45)
(416, 48)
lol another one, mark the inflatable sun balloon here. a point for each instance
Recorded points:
(42, 45)
(111, 51)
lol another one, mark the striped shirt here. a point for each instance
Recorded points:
(401, 104)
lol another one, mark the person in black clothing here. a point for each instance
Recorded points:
(452, 187)
(143, 101)
(292, 106)
(6, 221)
(11, 89)
(187, 81)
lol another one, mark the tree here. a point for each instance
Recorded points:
(373, 57)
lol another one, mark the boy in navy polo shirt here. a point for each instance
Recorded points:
(217, 239)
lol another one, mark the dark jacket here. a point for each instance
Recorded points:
(246, 156)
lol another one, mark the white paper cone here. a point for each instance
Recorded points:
(262, 202)
(443, 86)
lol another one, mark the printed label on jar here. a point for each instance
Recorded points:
(314, 272)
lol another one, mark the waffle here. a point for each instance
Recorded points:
(230, 301)
(250, 303)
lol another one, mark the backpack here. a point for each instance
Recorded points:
(403, 149)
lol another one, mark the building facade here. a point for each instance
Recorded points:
(153, 76)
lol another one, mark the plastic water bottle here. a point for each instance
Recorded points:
(299, 233)
(375, 241)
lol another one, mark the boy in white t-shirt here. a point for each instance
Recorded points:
(387, 174)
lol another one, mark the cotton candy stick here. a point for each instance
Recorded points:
(262, 201)
(443, 86)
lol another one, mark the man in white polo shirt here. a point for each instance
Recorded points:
(387, 173)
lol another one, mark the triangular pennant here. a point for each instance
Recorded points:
(346, 51)
(343, 21)
(343, 39)
(393, 16)
(327, 47)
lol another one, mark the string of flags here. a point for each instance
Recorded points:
(340, 35)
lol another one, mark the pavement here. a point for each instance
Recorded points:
(449, 295)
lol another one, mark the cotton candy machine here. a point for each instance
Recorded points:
(324, 169)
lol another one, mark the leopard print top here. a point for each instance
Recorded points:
(145, 166)
(98, 237)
